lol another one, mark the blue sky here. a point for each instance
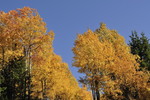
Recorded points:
(67, 18)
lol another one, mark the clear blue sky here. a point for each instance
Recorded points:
(69, 17)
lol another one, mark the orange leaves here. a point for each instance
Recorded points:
(106, 60)
(90, 51)
(23, 35)
(124, 69)
(21, 29)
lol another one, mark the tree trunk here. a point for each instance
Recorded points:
(97, 90)
(97, 95)
(93, 94)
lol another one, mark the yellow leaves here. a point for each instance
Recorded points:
(14, 54)
(49, 66)
(23, 35)
(60, 81)
(83, 94)
(104, 56)
(89, 51)
(20, 29)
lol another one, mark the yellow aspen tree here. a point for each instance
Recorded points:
(124, 72)
(92, 57)
(52, 77)
(21, 33)
(23, 36)
(105, 59)
(42, 66)
(9, 43)
(11, 52)
(32, 30)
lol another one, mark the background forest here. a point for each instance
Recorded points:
(30, 70)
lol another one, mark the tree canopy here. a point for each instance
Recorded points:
(29, 67)
(105, 59)
(141, 46)
(31, 70)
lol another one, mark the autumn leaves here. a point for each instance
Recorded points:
(29, 67)
(31, 70)
(105, 59)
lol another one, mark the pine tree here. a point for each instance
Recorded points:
(141, 46)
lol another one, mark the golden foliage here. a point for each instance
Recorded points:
(23, 34)
(108, 64)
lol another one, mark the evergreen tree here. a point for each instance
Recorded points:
(140, 46)
(14, 80)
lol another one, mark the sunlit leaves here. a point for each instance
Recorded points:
(24, 36)
(106, 60)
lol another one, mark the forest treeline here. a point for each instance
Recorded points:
(30, 70)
